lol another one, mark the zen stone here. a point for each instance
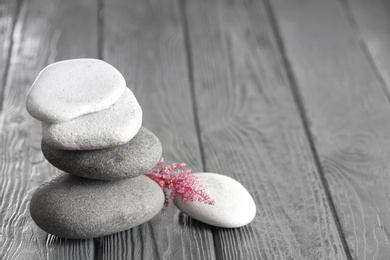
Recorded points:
(68, 89)
(134, 158)
(234, 206)
(110, 127)
(72, 207)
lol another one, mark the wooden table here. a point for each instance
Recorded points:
(290, 97)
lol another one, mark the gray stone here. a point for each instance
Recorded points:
(113, 126)
(72, 207)
(71, 88)
(234, 206)
(129, 160)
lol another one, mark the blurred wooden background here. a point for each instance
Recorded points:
(290, 97)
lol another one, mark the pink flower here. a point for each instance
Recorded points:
(179, 180)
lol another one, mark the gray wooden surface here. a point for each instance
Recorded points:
(290, 97)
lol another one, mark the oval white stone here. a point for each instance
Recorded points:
(234, 206)
(110, 127)
(68, 89)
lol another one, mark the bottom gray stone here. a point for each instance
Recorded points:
(73, 207)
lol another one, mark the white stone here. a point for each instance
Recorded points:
(68, 89)
(234, 206)
(110, 127)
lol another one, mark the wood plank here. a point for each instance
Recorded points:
(8, 13)
(349, 117)
(45, 31)
(252, 131)
(144, 40)
(371, 21)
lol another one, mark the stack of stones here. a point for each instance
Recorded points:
(91, 130)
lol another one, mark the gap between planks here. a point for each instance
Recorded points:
(190, 69)
(100, 23)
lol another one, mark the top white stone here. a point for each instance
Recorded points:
(234, 206)
(71, 88)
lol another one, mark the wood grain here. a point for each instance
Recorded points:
(348, 113)
(144, 40)
(252, 131)
(45, 31)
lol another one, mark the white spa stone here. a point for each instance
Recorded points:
(71, 88)
(234, 206)
(111, 127)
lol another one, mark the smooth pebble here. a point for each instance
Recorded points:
(72, 207)
(71, 88)
(113, 126)
(131, 159)
(234, 206)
